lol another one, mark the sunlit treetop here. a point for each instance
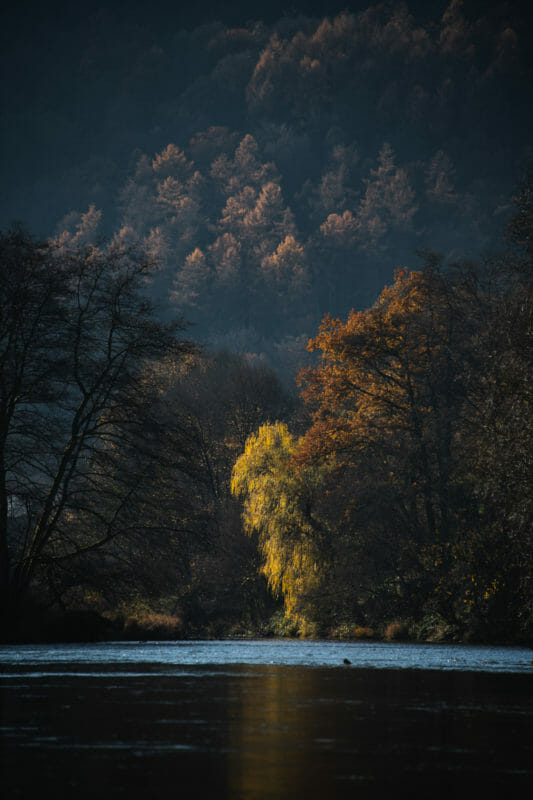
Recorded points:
(382, 369)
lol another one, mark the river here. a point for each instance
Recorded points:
(265, 719)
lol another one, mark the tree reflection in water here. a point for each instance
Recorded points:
(262, 731)
(331, 733)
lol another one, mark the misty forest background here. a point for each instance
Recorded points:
(256, 177)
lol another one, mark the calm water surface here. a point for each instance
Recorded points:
(265, 719)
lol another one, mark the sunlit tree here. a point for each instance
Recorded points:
(388, 399)
(280, 505)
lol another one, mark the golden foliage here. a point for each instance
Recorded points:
(277, 506)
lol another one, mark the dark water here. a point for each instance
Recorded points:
(265, 720)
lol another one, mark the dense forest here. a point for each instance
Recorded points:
(228, 407)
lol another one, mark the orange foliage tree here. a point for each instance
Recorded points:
(419, 448)
(391, 375)
(388, 404)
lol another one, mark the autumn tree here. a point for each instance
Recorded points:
(388, 200)
(390, 369)
(388, 399)
(422, 401)
(218, 404)
(281, 505)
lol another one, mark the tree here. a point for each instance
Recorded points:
(280, 505)
(520, 228)
(220, 402)
(423, 403)
(193, 278)
(499, 439)
(77, 340)
(388, 401)
(390, 371)
(389, 200)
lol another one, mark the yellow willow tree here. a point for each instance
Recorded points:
(281, 505)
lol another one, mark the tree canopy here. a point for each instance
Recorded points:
(79, 344)
(407, 496)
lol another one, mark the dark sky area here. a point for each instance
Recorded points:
(190, 14)
(28, 16)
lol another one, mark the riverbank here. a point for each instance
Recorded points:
(36, 627)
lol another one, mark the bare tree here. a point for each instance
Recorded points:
(77, 341)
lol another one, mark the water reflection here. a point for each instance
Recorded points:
(269, 753)
(318, 734)
(256, 731)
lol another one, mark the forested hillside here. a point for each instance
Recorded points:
(277, 169)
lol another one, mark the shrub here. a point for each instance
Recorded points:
(396, 630)
(153, 626)
(362, 632)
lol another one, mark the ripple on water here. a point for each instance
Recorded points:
(144, 659)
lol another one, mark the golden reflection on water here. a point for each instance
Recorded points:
(275, 747)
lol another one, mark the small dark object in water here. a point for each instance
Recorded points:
(346, 661)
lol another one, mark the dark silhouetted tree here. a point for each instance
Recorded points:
(78, 337)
